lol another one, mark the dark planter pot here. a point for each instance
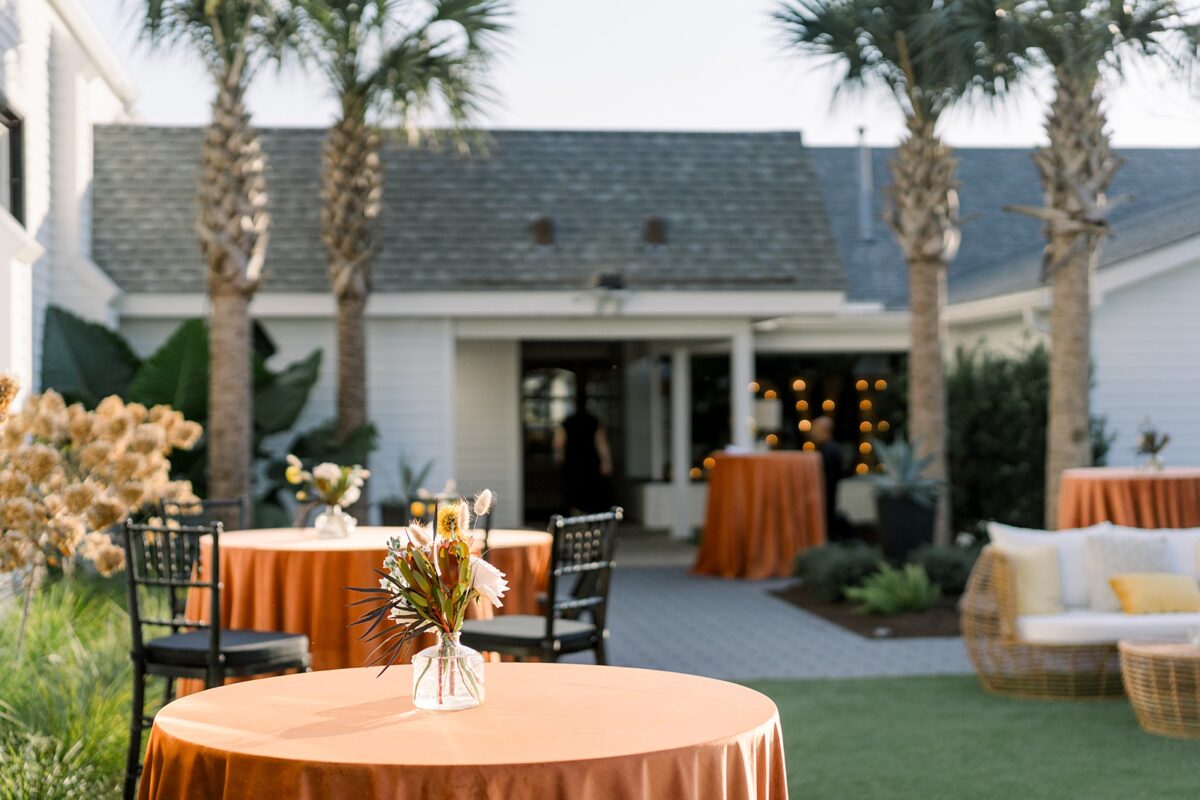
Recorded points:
(393, 515)
(904, 525)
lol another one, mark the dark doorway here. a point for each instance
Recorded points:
(551, 373)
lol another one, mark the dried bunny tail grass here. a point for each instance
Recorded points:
(9, 386)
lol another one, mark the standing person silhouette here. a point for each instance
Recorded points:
(831, 462)
(581, 451)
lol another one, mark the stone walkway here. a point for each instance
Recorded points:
(662, 617)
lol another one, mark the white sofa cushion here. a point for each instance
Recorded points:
(1183, 546)
(1111, 554)
(1070, 553)
(1104, 627)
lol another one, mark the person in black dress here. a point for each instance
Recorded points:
(831, 462)
(581, 450)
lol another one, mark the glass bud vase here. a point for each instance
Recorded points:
(334, 523)
(447, 676)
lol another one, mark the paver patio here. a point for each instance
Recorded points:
(662, 617)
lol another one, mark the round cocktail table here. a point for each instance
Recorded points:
(287, 579)
(544, 732)
(1139, 498)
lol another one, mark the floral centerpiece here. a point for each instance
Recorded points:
(333, 486)
(1151, 442)
(68, 474)
(429, 578)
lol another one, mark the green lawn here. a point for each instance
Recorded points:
(944, 737)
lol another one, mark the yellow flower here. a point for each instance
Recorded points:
(292, 473)
(302, 495)
(417, 509)
(447, 521)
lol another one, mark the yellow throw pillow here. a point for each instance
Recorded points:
(1156, 592)
(1036, 579)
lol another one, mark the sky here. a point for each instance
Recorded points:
(653, 65)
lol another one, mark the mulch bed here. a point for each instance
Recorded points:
(941, 620)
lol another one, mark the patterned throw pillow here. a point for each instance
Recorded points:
(1106, 556)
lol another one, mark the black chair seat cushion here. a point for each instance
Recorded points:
(240, 648)
(526, 629)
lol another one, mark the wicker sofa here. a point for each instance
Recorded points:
(1072, 655)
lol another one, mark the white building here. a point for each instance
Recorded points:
(57, 80)
(666, 271)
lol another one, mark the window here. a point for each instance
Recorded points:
(655, 231)
(12, 161)
(542, 229)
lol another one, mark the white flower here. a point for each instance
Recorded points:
(450, 487)
(483, 502)
(350, 496)
(488, 581)
(327, 472)
(294, 462)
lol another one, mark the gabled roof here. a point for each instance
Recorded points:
(743, 211)
(1001, 250)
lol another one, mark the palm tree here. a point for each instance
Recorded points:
(899, 46)
(1079, 42)
(382, 57)
(233, 38)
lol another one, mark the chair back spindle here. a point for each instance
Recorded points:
(582, 553)
(233, 514)
(161, 564)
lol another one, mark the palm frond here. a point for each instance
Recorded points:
(234, 37)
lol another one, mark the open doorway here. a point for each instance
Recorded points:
(553, 376)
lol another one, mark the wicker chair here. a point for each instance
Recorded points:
(1008, 666)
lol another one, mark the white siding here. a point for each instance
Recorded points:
(1146, 348)
(25, 33)
(488, 424)
(410, 387)
(50, 80)
(1006, 335)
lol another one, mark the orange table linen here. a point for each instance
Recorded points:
(1138, 498)
(544, 732)
(288, 580)
(763, 509)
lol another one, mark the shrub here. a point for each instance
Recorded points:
(894, 591)
(996, 436)
(828, 571)
(948, 566)
(64, 705)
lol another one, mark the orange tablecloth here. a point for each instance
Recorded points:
(285, 579)
(1139, 498)
(544, 732)
(763, 508)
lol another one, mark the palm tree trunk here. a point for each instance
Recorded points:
(352, 368)
(230, 400)
(924, 218)
(926, 380)
(1076, 166)
(351, 187)
(233, 227)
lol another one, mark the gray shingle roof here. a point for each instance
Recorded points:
(1001, 251)
(743, 211)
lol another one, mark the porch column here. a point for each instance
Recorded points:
(657, 441)
(681, 438)
(741, 373)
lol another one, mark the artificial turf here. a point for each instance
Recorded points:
(944, 737)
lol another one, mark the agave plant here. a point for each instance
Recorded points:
(904, 473)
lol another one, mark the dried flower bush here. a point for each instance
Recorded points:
(68, 474)
(8, 392)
